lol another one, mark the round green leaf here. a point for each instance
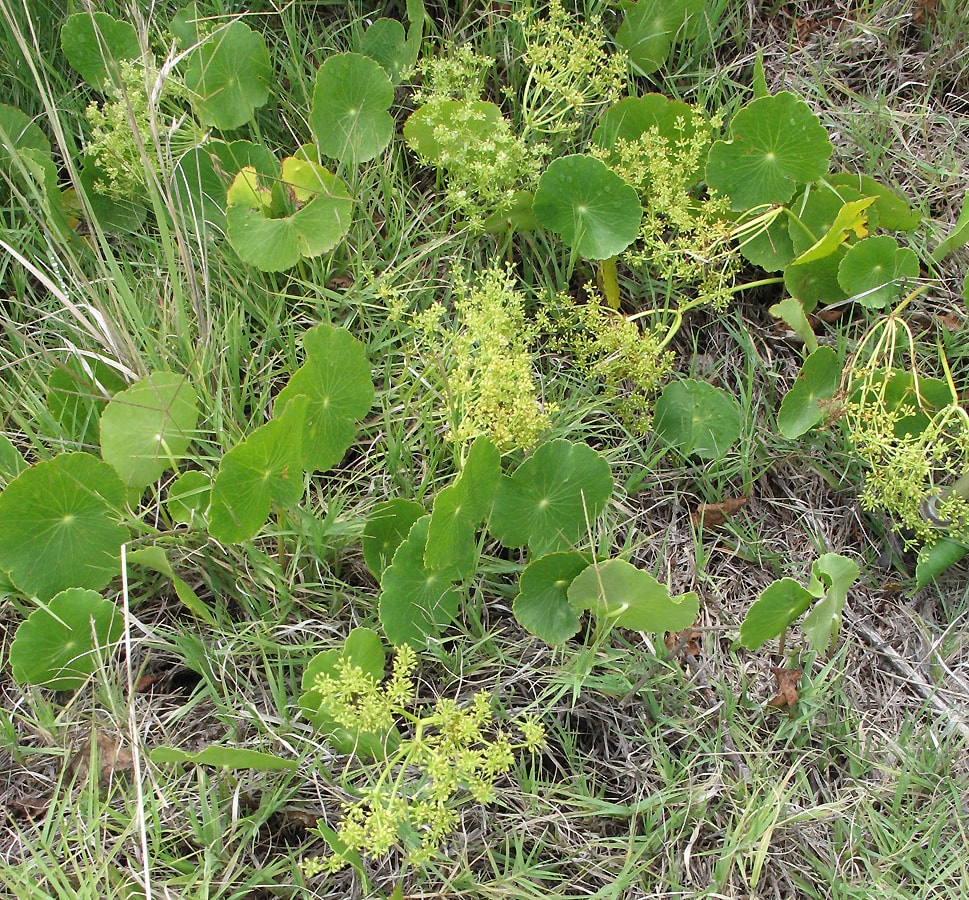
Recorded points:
(59, 525)
(200, 192)
(228, 77)
(898, 396)
(386, 529)
(60, 644)
(594, 210)
(818, 380)
(386, 44)
(188, 497)
(777, 144)
(113, 214)
(542, 606)
(336, 380)
(770, 247)
(698, 419)
(552, 499)
(873, 269)
(773, 612)
(415, 602)
(148, 427)
(94, 44)
(19, 132)
(476, 119)
(618, 591)
(266, 468)
(651, 27)
(349, 116)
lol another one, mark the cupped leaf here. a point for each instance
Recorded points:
(542, 606)
(552, 498)
(911, 403)
(769, 247)
(698, 419)
(415, 602)
(593, 209)
(517, 217)
(364, 649)
(18, 132)
(94, 44)
(461, 508)
(804, 404)
(319, 222)
(266, 468)
(112, 214)
(626, 596)
(336, 380)
(781, 604)
(873, 270)
(200, 192)
(831, 577)
(147, 428)
(228, 77)
(386, 529)
(651, 27)
(60, 644)
(188, 497)
(223, 758)
(894, 212)
(350, 117)
(777, 143)
(59, 525)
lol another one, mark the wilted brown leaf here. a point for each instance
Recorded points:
(112, 759)
(788, 681)
(713, 514)
(687, 641)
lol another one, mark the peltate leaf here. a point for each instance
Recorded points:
(698, 418)
(781, 604)
(542, 606)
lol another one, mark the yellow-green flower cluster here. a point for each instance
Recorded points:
(451, 751)
(490, 379)
(908, 467)
(686, 239)
(121, 135)
(571, 74)
(613, 351)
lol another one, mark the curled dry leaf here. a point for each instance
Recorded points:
(788, 681)
(684, 643)
(710, 515)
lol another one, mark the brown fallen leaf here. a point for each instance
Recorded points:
(788, 681)
(112, 759)
(924, 12)
(710, 515)
(30, 809)
(681, 643)
(951, 321)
